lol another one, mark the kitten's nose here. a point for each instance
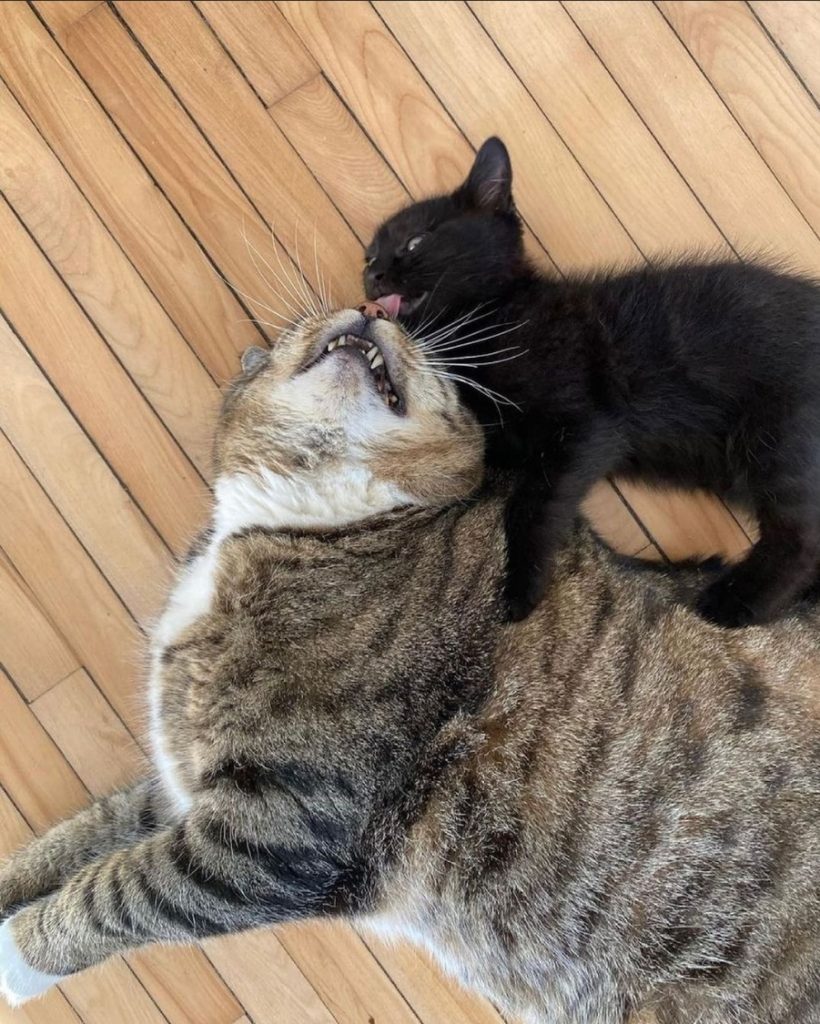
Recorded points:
(372, 280)
(373, 310)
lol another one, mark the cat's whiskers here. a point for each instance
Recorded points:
(477, 338)
(325, 294)
(477, 362)
(310, 296)
(292, 303)
(299, 294)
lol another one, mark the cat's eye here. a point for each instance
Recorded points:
(415, 242)
(369, 261)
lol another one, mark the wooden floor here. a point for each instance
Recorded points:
(144, 149)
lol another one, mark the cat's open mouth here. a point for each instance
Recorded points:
(400, 305)
(373, 358)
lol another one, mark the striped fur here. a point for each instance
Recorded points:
(610, 807)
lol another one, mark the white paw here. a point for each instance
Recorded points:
(18, 981)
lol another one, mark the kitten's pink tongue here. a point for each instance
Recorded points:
(392, 303)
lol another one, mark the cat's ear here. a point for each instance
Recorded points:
(489, 183)
(254, 358)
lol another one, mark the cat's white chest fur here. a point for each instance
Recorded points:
(322, 500)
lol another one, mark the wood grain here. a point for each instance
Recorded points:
(105, 284)
(693, 125)
(119, 420)
(578, 95)
(120, 189)
(795, 27)
(263, 45)
(255, 150)
(759, 88)
(345, 162)
(33, 652)
(64, 580)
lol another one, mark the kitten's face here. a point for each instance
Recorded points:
(444, 251)
(347, 391)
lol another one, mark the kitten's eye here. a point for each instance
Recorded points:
(415, 242)
(369, 261)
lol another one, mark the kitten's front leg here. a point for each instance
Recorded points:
(544, 504)
(43, 865)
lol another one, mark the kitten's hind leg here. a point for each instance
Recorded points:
(48, 861)
(783, 564)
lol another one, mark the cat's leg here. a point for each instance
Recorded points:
(544, 505)
(783, 564)
(202, 877)
(42, 866)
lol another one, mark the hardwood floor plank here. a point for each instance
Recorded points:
(185, 986)
(265, 979)
(117, 418)
(759, 88)
(613, 521)
(183, 162)
(79, 482)
(63, 14)
(111, 993)
(137, 214)
(91, 737)
(345, 162)
(696, 130)
(53, 791)
(262, 44)
(687, 525)
(259, 155)
(70, 588)
(34, 653)
(106, 285)
(350, 980)
(597, 122)
(795, 27)
(433, 997)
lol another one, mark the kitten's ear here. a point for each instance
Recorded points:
(253, 358)
(489, 183)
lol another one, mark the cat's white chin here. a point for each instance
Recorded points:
(19, 981)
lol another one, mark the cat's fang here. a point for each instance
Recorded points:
(331, 345)
(372, 353)
(377, 362)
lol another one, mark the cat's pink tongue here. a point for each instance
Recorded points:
(392, 303)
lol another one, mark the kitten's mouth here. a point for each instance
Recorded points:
(373, 357)
(400, 305)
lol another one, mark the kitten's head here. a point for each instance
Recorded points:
(346, 407)
(442, 252)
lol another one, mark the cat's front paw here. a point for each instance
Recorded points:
(19, 981)
(721, 604)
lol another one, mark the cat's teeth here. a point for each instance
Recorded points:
(331, 345)
(342, 341)
(372, 353)
(392, 398)
(377, 362)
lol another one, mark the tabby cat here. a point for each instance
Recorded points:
(613, 805)
(692, 374)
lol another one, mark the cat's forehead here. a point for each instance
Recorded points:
(412, 220)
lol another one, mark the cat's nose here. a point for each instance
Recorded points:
(373, 310)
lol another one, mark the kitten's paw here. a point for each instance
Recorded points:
(522, 597)
(19, 981)
(720, 603)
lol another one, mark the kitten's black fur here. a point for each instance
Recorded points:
(694, 374)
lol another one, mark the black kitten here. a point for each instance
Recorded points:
(696, 375)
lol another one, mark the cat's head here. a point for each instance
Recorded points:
(345, 412)
(442, 252)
